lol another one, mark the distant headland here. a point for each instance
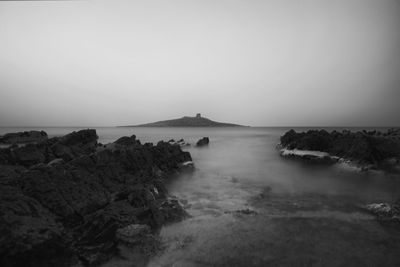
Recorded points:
(197, 121)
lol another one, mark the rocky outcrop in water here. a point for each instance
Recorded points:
(363, 147)
(23, 137)
(385, 212)
(180, 143)
(69, 200)
(203, 142)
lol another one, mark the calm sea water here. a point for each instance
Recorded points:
(300, 214)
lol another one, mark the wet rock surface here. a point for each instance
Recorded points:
(64, 200)
(387, 213)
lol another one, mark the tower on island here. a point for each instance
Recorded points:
(198, 115)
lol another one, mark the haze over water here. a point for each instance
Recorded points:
(299, 214)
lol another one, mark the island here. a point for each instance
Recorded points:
(197, 121)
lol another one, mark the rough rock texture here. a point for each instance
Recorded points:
(63, 200)
(386, 213)
(23, 137)
(362, 147)
(180, 143)
(203, 142)
(133, 233)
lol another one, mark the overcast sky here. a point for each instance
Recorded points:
(259, 63)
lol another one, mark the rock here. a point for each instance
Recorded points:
(180, 143)
(24, 137)
(243, 212)
(362, 148)
(55, 162)
(171, 211)
(385, 212)
(187, 166)
(65, 198)
(30, 235)
(126, 141)
(314, 156)
(379, 208)
(203, 142)
(27, 155)
(133, 234)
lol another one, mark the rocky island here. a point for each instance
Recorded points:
(72, 201)
(197, 121)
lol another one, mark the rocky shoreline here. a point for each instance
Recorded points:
(361, 151)
(71, 201)
(364, 150)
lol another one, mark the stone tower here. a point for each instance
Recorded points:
(198, 115)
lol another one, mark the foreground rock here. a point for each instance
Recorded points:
(203, 142)
(23, 137)
(371, 149)
(68, 200)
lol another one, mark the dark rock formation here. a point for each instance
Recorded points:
(361, 147)
(180, 143)
(203, 142)
(63, 200)
(23, 137)
(186, 121)
(386, 213)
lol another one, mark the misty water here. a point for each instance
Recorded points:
(251, 207)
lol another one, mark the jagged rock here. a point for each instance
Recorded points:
(171, 211)
(180, 143)
(386, 213)
(30, 235)
(68, 205)
(23, 137)
(203, 142)
(360, 147)
(133, 234)
(126, 141)
(28, 155)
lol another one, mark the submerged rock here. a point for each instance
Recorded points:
(63, 200)
(203, 142)
(386, 213)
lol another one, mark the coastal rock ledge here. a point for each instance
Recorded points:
(363, 149)
(71, 201)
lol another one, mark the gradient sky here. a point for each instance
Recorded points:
(258, 63)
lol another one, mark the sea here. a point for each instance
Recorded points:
(249, 206)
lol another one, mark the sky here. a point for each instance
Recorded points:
(258, 63)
